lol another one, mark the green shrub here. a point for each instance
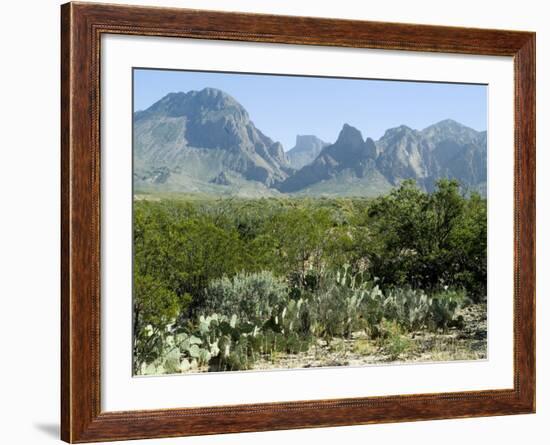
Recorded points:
(254, 297)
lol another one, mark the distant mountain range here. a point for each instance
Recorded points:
(205, 141)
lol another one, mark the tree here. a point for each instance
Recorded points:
(469, 244)
(428, 240)
(399, 235)
(294, 240)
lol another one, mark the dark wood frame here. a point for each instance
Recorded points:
(82, 25)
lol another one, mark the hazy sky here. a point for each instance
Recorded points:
(284, 106)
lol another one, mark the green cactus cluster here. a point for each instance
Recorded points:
(414, 309)
(289, 322)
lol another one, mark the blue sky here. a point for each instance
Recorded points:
(284, 106)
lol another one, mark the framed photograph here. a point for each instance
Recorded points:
(274, 222)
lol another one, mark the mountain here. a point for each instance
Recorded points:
(307, 148)
(354, 166)
(349, 157)
(446, 149)
(185, 140)
(204, 141)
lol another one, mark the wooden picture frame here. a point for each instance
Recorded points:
(82, 25)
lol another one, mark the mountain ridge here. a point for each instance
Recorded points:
(205, 141)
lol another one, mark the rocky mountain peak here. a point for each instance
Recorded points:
(208, 102)
(307, 148)
(448, 125)
(449, 129)
(350, 147)
(305, 141)
(214, 99)
(349, 136)
(398, 132)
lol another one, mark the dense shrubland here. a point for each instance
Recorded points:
(222, 283)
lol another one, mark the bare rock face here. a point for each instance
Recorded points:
(402, 155)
